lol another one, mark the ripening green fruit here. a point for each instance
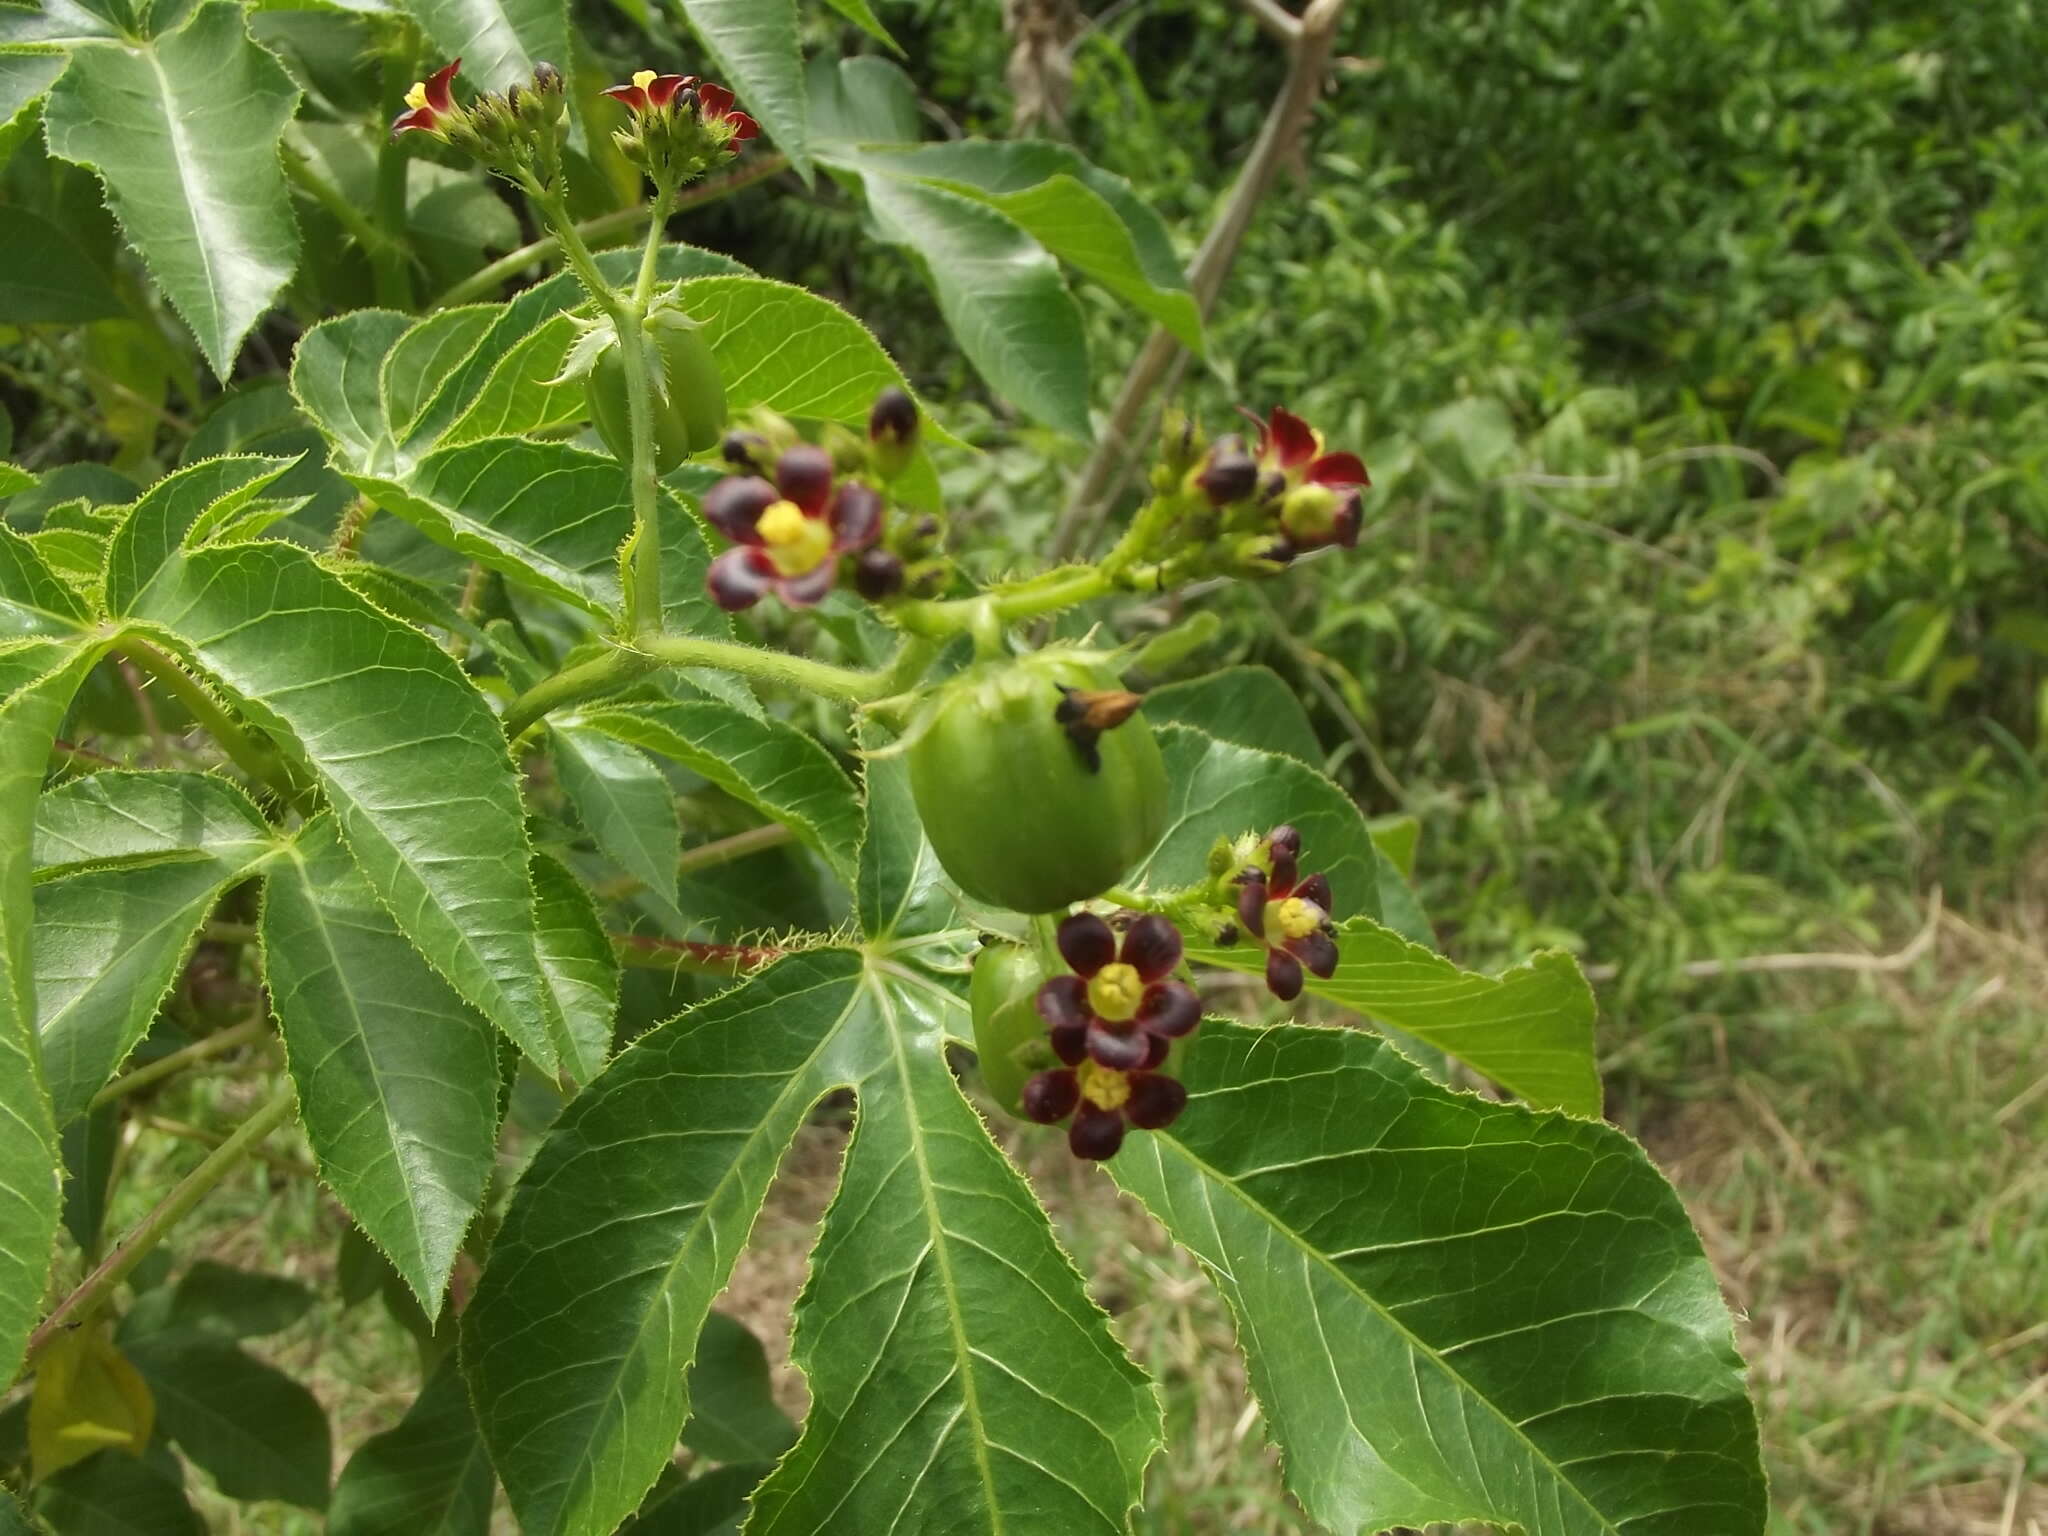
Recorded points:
(1031, 800)
(689, 403)
(1009, 1035)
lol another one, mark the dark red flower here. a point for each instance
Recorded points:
(1318, 493)
(649, 92)
(790, 534)
(1290, 915)
(714, 102)
(1118, 1008)
(429, 101)
(1102, 1100)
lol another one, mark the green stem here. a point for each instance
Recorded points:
(213, 1045)
(593, 679)
(554, 209)
(388, 263)
(79, 1307)
(1057, 589)
(643, 556)
(770, 666)
(259, 762)
(740, 845)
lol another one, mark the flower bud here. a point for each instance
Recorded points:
(877, 574)
(892, 432)
(1309, 514)
(748, 450)
(546, 78)
(1228, 474)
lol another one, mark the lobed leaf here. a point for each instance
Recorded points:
(901, 892)
(397, 1077)
(174, 511)
(957, 1367)
(34, 600)
(1454, 1310)
(576, 957)
(45, 279)
(122, 816)
(408, 754)
(624, 802)
(183, 130)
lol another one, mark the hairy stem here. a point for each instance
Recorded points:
(259, 762)
(245, 1033)
(80, 1306)
(643, 557)
(739, 846)
(592, 680)
(797, 672)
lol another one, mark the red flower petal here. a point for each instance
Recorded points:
(1251, 902)
(804, 475)
(1339, 469)
(1051, 1096)
(1317, 951)
(734, 506)
(1152, 946)
(1155, 1102)
(1124, 1052)
(663, 90)
(1170, 1010)
(1316, 888)
(1063, 1002)
(743, 127)
(714, 100)
(1096, 1133)
(440, 87)
(1069, 1042)
(855, 516)
(738, 577)
(1086, 943)
(811, 588)
(631, 95)
(1283, 975)
(419, 119)
(1292, 439)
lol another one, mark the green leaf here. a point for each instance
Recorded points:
(14, 1520)
(53, 24)
(37, 680)
(733, 1416)
(90, 1144)
(1083, 215)
(1220, 789)
(498, 41)
(236, 1303)
(34, 600)
(901, 891)
(397, 1077)
(109, 944)
(337, 371)
(175, 509)
(45, 279)
(957, 1367)
(862, 100)
(409, 756)
(123, 817)
(1001, 294)
(625, 803)
(581, 968)
(786, 348)
(521, 396)
(419, 364)
(117, 1495)
(1454, 1310)
(13, 478)
(1530, 1029)
(544, 515)
(710, 1505)
(428, 1477)
(765, 763)
(759, 49)
(255, 1431)
(183, 130)
(857, 12)
(1252, 706)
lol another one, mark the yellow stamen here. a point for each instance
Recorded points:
(416, 98)
(1294, 918)
(796, 543)
(643, 78)
(1114, 993)
(1104, 1087)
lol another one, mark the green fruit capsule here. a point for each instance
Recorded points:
(1009, 1036)
(1031, 800)
(689, 398)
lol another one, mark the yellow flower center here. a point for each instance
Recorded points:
(1294, 918)
(643, 78)
(1114, 992)
(796, 543)
(416, 98)
(1104, 1087)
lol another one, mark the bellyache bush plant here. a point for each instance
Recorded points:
(437, 825)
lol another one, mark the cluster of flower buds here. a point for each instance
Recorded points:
(679, 126)
(1230, 506)
(518, 134)
(803, 515)
(1272, 903)
(1111, 1024)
